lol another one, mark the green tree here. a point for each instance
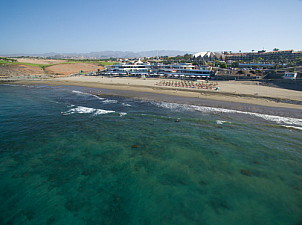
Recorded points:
(188, 56)
(235, 64)
(299, 61)
(286, 61)
(223, 65)
(256, 67)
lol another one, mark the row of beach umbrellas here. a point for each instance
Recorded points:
(189, 84)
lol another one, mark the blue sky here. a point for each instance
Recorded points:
(65, 26)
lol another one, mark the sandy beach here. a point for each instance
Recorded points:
(249, 92)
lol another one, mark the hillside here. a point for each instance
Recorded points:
(19, 70)
(19, 67)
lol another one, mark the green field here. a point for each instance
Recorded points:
(3, 62)
(99, 62)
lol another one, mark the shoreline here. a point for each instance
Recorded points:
(146, 89)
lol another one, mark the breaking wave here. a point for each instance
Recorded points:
(285, 121)
(85, 93)
(109, 101)
(84, 110)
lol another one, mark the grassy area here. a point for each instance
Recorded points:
(108, 63)
(3, 62)
(99, 62)
(36, 65)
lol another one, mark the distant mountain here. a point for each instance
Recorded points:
(162, 53)
(107, 54)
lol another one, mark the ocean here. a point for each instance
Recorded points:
(68, 156)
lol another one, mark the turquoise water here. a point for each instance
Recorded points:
(69, 157)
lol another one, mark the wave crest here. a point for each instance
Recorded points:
(289, 121)
(87, 110)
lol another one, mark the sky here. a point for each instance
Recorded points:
(82, 26)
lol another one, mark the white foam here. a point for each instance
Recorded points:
(84, 93)
(79, 92)
(102, 111)
(83, 110)
(172, 106)
(109, 101)
(125, 104)
(98, 97)
(293, 127)
(277, 119)
(123, 114)
(220, 122)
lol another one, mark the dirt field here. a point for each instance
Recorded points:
(67, 69)
(19, 70)
(59, 69)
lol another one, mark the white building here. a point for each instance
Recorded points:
(290, 76)
(136, 68)
(181, 70)
(185, 70)
(210, 56)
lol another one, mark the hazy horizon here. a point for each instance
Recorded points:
(178, 52)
